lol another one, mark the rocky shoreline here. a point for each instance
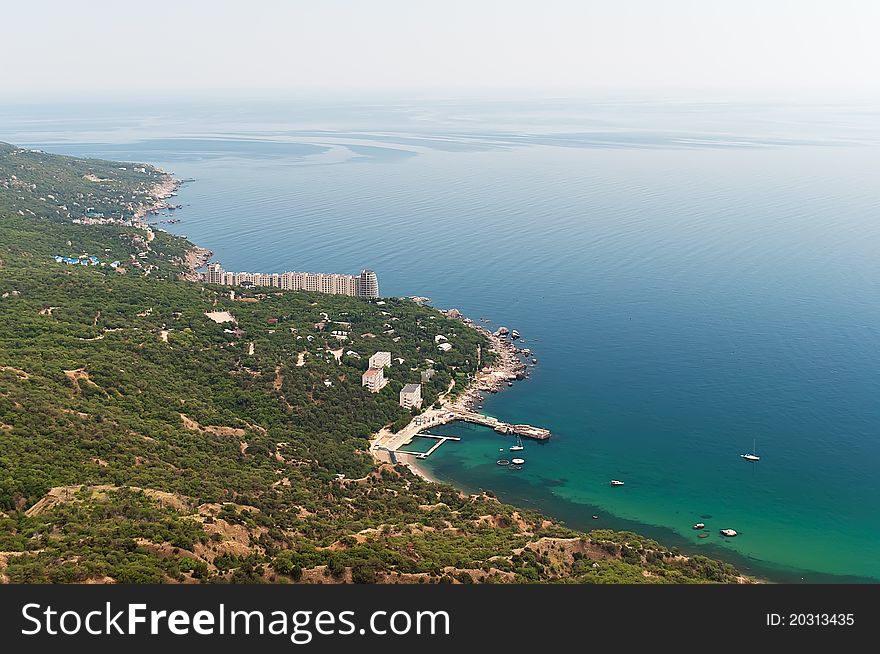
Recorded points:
(196, 257)
(509, 366)
(160, 194)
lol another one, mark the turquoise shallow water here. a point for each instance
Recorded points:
(690, 278)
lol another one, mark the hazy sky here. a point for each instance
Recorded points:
(447, 46)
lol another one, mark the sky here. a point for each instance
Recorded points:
(558, 47)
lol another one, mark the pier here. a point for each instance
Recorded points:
(424, 455)
(527, 431)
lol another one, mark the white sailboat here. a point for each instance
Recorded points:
(751, 456)
(519, 446)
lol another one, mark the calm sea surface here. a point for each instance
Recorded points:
(692, 277)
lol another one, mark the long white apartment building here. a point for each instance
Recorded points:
(364, 285)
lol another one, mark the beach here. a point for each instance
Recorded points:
(419, 470)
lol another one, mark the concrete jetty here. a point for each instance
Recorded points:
(527, 431)
(424, 455)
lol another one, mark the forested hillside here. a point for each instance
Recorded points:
(142, 441)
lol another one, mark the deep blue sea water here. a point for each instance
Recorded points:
(691, 276)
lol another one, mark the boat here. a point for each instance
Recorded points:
(729, 533)
(595, 517)
(509, 384)
(503, 462)
(519, 446)
(517, 462)
(699, 525)
(751, 456)
(616, 482)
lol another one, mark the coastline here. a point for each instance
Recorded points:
(510, 364)
(196, 256)
(419, 470)
(160, 192)
(506, 368)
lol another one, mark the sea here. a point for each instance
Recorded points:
(695, 277)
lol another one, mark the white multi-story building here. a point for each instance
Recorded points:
(312, 282)
(411, 396)
(292, 281)
(364, 285)
(374, 379)
(380, 360)
(215, 274)
(369, 284)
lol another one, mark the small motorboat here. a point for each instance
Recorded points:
(699, 525)
(595, 517)
(728, 533)
(616, 482)
(503, 462)
(517, 462)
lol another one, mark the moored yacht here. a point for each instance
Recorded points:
(751, 456)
